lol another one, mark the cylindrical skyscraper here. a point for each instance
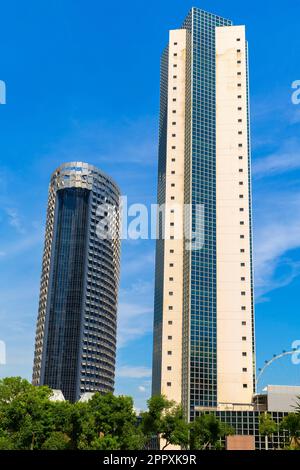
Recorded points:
(75, 345)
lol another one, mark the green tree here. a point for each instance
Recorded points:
(291, 423)
(56, 441)
(105, 443)
(111, 419)
(207, 431)
(28, 416)
(24, 412)
(164, 419)
(11, 388)
(174, 428)
(152, 419)
(297, 407)
(81, 429)
(6, 442)
(267, 427)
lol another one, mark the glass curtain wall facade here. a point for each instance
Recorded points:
(76, 329)
(200, 359)
(159, 254)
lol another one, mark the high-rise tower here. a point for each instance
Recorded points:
(75, 344)
(203, 354)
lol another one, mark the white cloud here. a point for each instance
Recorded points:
(280, 162)
(134, 321)
(142, 389)
(14, 220)
(23, 244)
(138, 262)
(123, 142)
(135, 312)
(134, 372)
(276, 233)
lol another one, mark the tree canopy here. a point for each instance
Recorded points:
(31, 420)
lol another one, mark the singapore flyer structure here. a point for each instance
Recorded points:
(271, 361)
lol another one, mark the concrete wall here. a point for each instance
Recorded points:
(173, 255)
(234, 303)
(240, 442)
(283, 397)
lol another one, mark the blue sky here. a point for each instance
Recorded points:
(83, 84)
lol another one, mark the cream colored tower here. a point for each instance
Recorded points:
(235, 357)
(173, 221)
